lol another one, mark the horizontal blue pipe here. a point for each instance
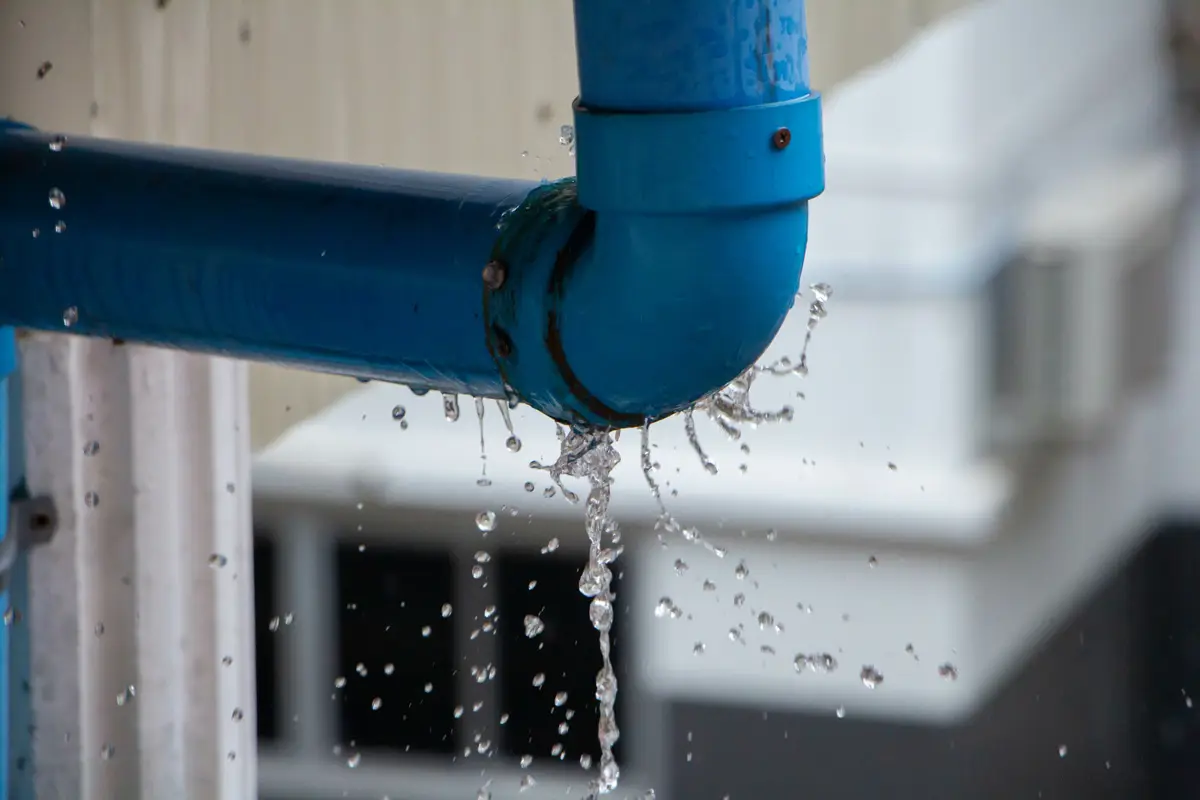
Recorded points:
(356, 270)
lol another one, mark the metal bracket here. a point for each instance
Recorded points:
(31, 521)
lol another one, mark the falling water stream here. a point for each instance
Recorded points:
(591, 455)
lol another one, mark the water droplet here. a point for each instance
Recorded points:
(447, 610)
(666, 608)
(36, 232)
(226, 661)
(948, 671)
(765, 620)
(527, 782)
(476, 572)
(872, 562)
(361, 669)
(428, 688)
(91, 499)
(238, 715)
(698, 649)
(566, 135)
(216, 561)
(532, 585)
(44, 69)
(870, 677)
(485, 521)
(739, 600)
(680, 566)
(91, 448)
(892, 466)
(339, 682)
(57, 142)
(548, 491)
(426, 631)
(513, 444)
(107, 751)
(526, 760)
(534, 626)
(58, 200)
(389, 668)
(551, 546)
(376, 704)
(560, 699)
(741, 572)
(99, 629)
(353, 761)
(450, 406)
(398, 412)
(840, 711)
(539, 680)
(483, 557)
(70, 316)
(529, 487)
(1062, 751)
(126, 695)
(60, 227)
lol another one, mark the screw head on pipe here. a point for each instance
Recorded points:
(781, 138)
(494, 273)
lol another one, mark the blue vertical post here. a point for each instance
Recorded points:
(8, 364)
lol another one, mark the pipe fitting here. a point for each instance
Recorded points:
(638, 290)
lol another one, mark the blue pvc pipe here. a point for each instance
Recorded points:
(357, 270)
(656, 280)
(8, 364)
(698, 148)
(690, 55)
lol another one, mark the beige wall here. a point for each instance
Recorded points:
(454, 85)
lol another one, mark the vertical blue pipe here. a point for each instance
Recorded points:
(690, 55)
(698, 148)
(8, 364)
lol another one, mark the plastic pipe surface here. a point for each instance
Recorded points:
(656, 279)
(8, 364)
(357, 270)
(698, 149)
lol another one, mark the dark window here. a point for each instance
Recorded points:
(265, 655)
(386, 596)
(566, 653)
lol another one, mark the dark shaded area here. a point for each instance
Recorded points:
(566, 653)
(385, 597)
(1114, 685)
(266, 668)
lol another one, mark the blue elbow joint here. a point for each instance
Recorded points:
(665, 270)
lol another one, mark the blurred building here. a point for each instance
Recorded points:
(986, 496)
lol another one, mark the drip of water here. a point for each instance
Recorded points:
(591, 455)
(483, 478)
(450, 406)
(689, 425)
(513, 443)
(667, 522)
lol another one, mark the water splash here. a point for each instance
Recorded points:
(817, 311)
(666, 521)
(591, 455)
